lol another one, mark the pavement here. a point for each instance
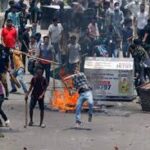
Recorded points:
(123, 125)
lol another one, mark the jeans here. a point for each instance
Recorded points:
(20, 75)
(47, 68)
(82, 98)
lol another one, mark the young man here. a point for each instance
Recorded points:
(85, 93)
(23, 18)
(9, 35)
(18, 71)
(7, 122)
(11, 4)
(14, 16)
(25, 42)
(74, 51)
(127, 33)
(4, 62)
(141, 19)
(146, 39)
(46, 51)
(38, 87)
(55, 34)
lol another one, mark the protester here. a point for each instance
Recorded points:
(93, 33)
(146, 39)
(18, 72)
(33, 51)
(14, 16)
(7, 122)
(9, 38)
(46, 51)
(141, 19)
(35, 15)
(25, 41)
(4, 63)
(82, 86)
(117, 19)
(11, 4)
(140, 56)
(38, 38)
(74, 53)
(9, 35)
(24, 16)
(127, 34)
(55, 34)
(38, 88)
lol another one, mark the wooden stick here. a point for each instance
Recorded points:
(26, 114)
(36, 58)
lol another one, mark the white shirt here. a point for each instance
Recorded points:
(74, 53)
(141, 20)
(55, 32)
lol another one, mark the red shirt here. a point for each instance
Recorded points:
(9, 36)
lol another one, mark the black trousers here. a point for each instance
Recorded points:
(1, 111)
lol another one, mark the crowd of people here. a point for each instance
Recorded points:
(102, 28)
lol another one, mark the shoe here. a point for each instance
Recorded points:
(90, 118)
(78, 124)
(13, 91)
(42, 125)
(30, 123)
(7, 123)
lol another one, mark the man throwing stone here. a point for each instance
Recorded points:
(85, 93)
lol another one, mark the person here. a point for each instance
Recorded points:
(35, 15)
(93, 33)
(55, 34)
(14, 16)
(9, 38)
(74, 52)
(93, 30)
(11, 4)
(25, 42)
(141, 20)
(7, 122)
(108, 13)
(38, 87)
(85, 93)
(117, 18)
(20, 5)
(60, 14)
(9, 35)
(140, 56)
(38, 38)
(146, 39)
(78, 12)
(33, 51)
(24, 16)
(127, 34)
(18, 71)
(46, 51)
(4, 63)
